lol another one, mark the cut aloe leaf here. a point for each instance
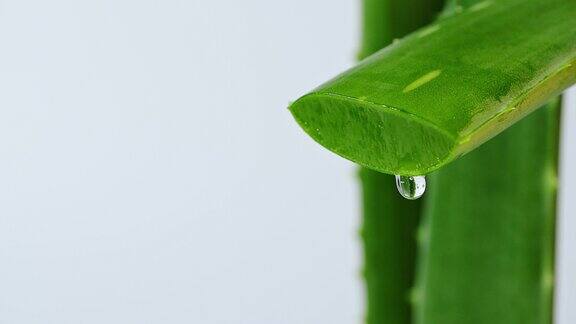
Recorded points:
(447, 88)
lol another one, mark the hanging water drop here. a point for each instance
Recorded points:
(411, 187)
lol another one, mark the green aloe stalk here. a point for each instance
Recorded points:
(388, 231)
(389, 221)
(487, 243)
(445, 89)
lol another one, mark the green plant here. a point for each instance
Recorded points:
(442, 91)
(487, 244)
(486, 241)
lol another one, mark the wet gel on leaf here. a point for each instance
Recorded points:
(411, 187)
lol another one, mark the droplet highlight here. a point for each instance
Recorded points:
(411, 187)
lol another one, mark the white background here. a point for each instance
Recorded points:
(150, 172)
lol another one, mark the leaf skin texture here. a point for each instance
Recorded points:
(437, 94)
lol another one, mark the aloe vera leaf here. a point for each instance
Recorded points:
(388, 226)
(447, 88)
(487, 246)
(386, 20)
(389, 221)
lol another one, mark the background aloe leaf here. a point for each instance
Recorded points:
(389, 221)
(386, 20)
(388, 231)
(447, 88)
(488, 246)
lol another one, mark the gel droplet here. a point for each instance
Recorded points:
(411, 187)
